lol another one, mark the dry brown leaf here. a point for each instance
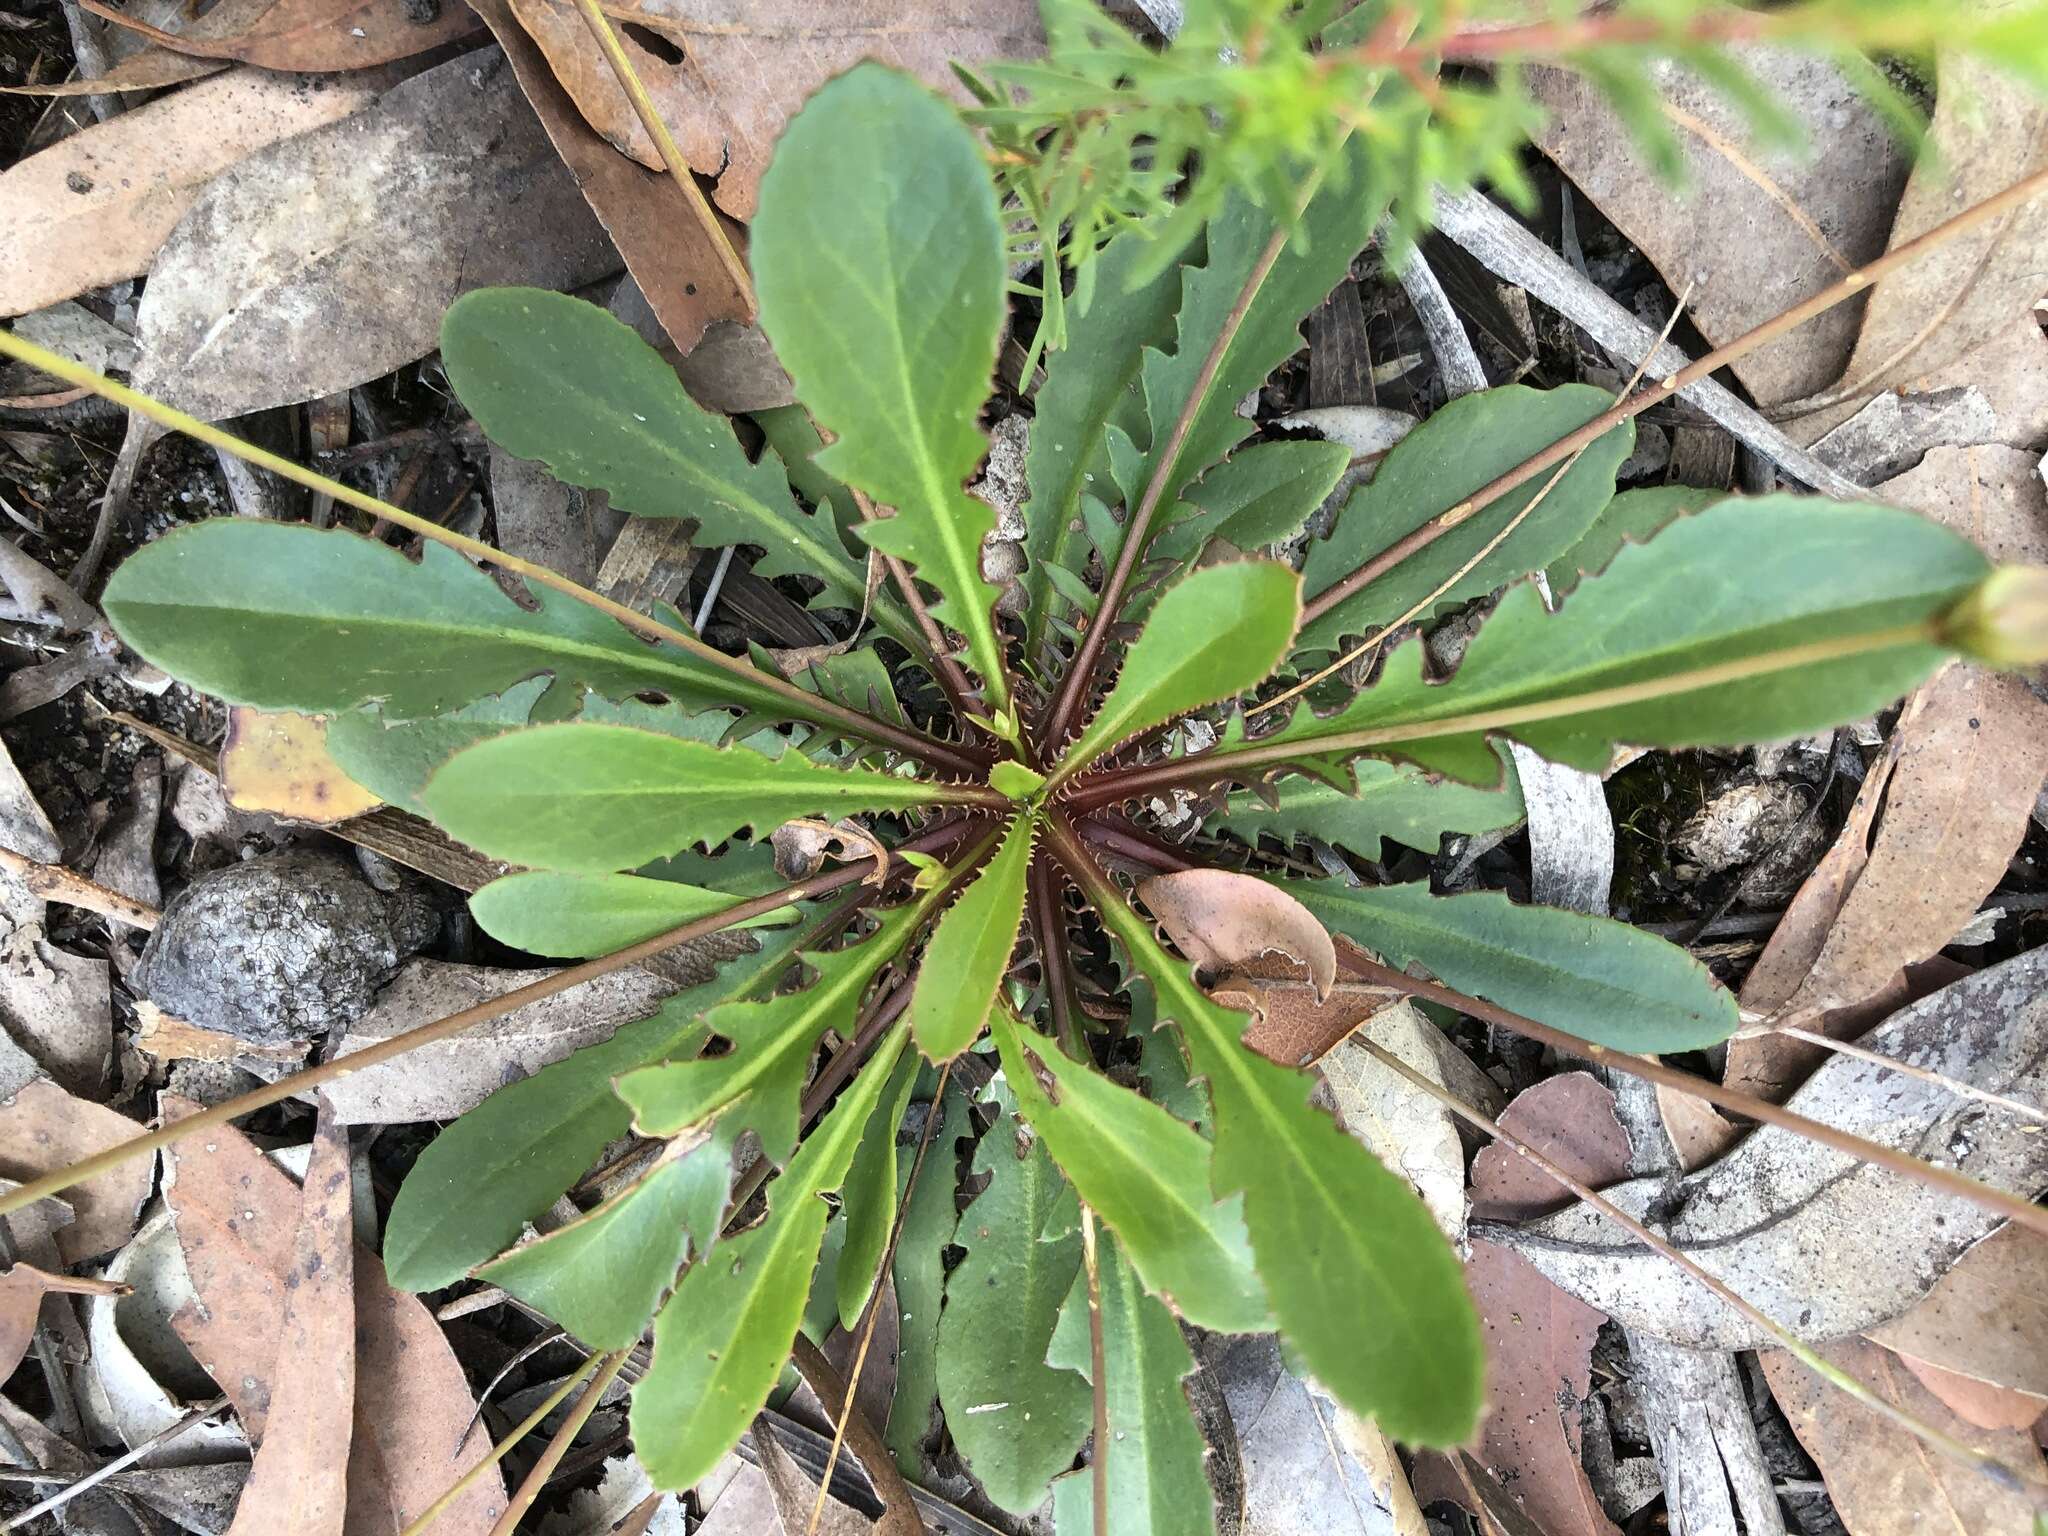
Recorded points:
(747, 67)
(96, 207)
(1989, 131)
(277, 761)
(1698, 1131)
(802, 846)
(1290, 1024)
(1885, 1481)
(236, 1214)
(1752, 233)
(1224, 921)
(1974, 755)
(22, 1290)
(299, 1481)
(1978, 1402)
(42, 1129)
(150, 70)
(313, 35)
(1985, 1322)
(1989, 493)
(1539, 1341)
(644, 211)
(1404, 1127)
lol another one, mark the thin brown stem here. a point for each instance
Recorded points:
(671, 156)
(498, 1452)
(1362, 967)
(1856, 282)
(874, 1309)
(802, 705)
(1098, 1464)
(1056, 972)
(1074, 687)
(558, 1446)
(899, 1507)
(1954, 1449)
(454, 1024)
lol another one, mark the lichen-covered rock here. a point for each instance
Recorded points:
(281, 948)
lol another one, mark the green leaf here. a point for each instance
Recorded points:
(929, 1220)
(393, 759)
(1835, 622)
(721, 1340)
(602, 1276)
(1215, 633)
(1259, 496)
(1434, 468)
(870, 1199)
(793, 437)
(1335, 226)
(1589, 975)
(772, 1042)
(512, 1156)
(281, 616)
(590, 799)
(1147, 1175)
(1392, 800)
(1088, 388)
(545, 913)
(1336, 1236)
(1632, 517)
(970, 949)
(1012, 778)
(1016, 1419)
(1157, 1486)
(878, 257)
(558, 380)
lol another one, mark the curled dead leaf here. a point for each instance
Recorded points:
(1224, 921)
(802, 846)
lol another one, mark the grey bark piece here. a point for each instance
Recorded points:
(281, 948)
(444, 1079)
(563, 527)
(1571, 834)
(1891, 434)
(1455, 355)
(1819, 1240)
(1510, 251)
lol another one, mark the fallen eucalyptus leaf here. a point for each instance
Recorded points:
(42, 1129)
(1221, 920)
(1820, 1242)
(1404, 1127)
(447, 184)
(1986, 1320)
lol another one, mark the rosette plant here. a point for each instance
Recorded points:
(1103, 1152)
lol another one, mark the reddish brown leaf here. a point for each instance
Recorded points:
(1539, 1341)
(745, 70)
(22, 1290)
(643, 210)
(299, 1482)
(1290, 1024)
(317, 36)
(1983, 1326)
(42, 1129)
(1224, 921)
(1884, 1480)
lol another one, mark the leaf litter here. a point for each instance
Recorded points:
(1942, 828)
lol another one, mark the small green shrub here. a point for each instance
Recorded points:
(626, 777)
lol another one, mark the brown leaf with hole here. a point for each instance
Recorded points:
(1884, 1480)
(726, 77)
(1224, 921)
(236, 1214)
(1752, 232)
(1983, 1326)
(277, 761)
(1539, 1341)
(1989, 131)
(96, 207)
(42, 1129)
(317, 36)
(299, 1480)
(644, 211)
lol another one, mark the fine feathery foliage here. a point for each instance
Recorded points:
(622, 776)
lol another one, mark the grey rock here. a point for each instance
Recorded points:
(281, 948)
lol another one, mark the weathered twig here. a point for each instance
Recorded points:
(53, 882)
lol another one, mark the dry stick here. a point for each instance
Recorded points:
(1113, 787)
(1098, 1464)
(53, 882)
(1942, 1080)
(1998, 1472)
(1946, 1180)
(1856, 282)
(900, 1513)
(498, 1452)
(558, 1446)
(643, 104)
(1363, 967)
(867, 1333)
(440, 1029)
(805, 705)
(1422, 604)
(1074, 687)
